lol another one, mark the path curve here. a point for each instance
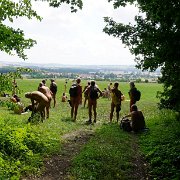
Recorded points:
(56, 167)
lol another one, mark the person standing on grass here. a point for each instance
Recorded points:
(109, 90)
(131, 93)
(65, 86)
(85, 94)
(75, 98)
(116, 101)
(42, 83)
(93, 94)
(53, 88)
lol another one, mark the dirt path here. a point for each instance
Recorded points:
(140, 165)
(57, 166)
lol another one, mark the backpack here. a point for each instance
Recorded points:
(53, 87)
(125, 125)
(73, 91)
(93, 93)
(137, 95)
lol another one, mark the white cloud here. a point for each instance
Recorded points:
(75, 38)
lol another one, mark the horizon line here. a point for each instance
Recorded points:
(24, 62)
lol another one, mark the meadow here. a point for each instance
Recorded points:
(110, 154)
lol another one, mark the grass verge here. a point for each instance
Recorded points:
(161, 146)
(108, 155)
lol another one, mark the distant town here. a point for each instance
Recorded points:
(123, 73)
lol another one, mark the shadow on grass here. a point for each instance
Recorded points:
(67, 119)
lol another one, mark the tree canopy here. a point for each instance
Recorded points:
(13, 40)
(154, 39)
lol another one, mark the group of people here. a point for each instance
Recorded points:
(106, 93)
(92, 93)
(41, 101)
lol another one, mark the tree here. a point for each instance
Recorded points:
(8, 80)
(154, 39)
(13, 40)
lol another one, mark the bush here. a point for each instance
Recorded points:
(161, 146)
(20, 151)
(8, 104)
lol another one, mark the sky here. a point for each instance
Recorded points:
(75, 38)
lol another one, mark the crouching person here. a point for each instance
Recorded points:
(137, 119)
(18, 108)
(39, 99)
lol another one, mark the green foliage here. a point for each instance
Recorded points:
(13, 40)
(8, 104)
(154, 40)
(74, 4)
(20, 148)
(5, 83)
(138, 80)
(161, 146)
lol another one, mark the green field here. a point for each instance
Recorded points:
(107, 155)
